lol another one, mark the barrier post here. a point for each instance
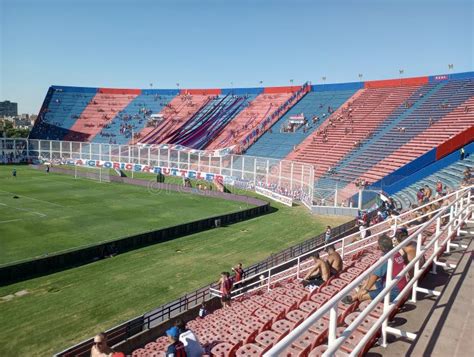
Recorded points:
(342, 247)
(450, 228)
(332, 325)
(417, 267)
(386, 301)
(460, 216)
(269, 278)
(298, 268)
(436, 246)
(359, 204)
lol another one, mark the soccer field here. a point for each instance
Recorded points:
(61, 309)
(44, 213)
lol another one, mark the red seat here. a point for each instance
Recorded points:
(223, 349)
(318, 352)
(296, 316)
(250, 349)
(267, 338)
(309, 306)
(351, 341)
(339, 283)
(294, 351)
(319, 298)
(376, 312)
(282, 327)
(307, 340)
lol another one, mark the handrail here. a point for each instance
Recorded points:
(342, 241)
(331, 305)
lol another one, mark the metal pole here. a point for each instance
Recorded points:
(332, 325)
(386, 301)
(435, 260)
(359, 205)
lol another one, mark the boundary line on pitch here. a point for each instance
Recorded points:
(23, 209)
(32, 198)
(12, 220)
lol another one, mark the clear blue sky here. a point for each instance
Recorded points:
(211, 43)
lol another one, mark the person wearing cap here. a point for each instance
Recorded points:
(100, 348)
(176, 347)
(376, 282)
(191, 343)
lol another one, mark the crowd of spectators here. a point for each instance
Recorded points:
(13, 152)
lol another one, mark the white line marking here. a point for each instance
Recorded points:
(25, 210)
(31, 198)
(11, 220)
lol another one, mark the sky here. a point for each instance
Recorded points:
(223, 43)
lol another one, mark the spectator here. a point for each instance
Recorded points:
(319, 273)
(467, 177)
(420, 196)
(100, 348)
(439, 189)
(176, 347)
(327, 235)
(427, 194)
(376, 282)
(334, 260)
(462, 153)
(203, 311)
(191, 343)
(408, 252)
(239, 273)
(225, 287)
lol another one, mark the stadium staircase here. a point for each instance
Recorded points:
(277, 144)
(133, 118)
(369, 110)
(279, 311)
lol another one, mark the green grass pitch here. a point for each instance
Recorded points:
(62, 309)
(54, 212)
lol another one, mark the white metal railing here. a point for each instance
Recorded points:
(289, 178)
(458, 211)
(345, 246)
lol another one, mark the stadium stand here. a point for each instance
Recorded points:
(100, 112)
(134, 117)
(438, 112)
(277, 144)
(451, 177)
(179, 110)
(279, 310)
(347, 127)
(449, 123)
(202, 127)
(61, 109)
(263, 106)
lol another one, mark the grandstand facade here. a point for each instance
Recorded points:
(351, 133)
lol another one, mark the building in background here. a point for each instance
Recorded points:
(8, 109)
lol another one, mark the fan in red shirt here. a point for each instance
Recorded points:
(239, 274)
